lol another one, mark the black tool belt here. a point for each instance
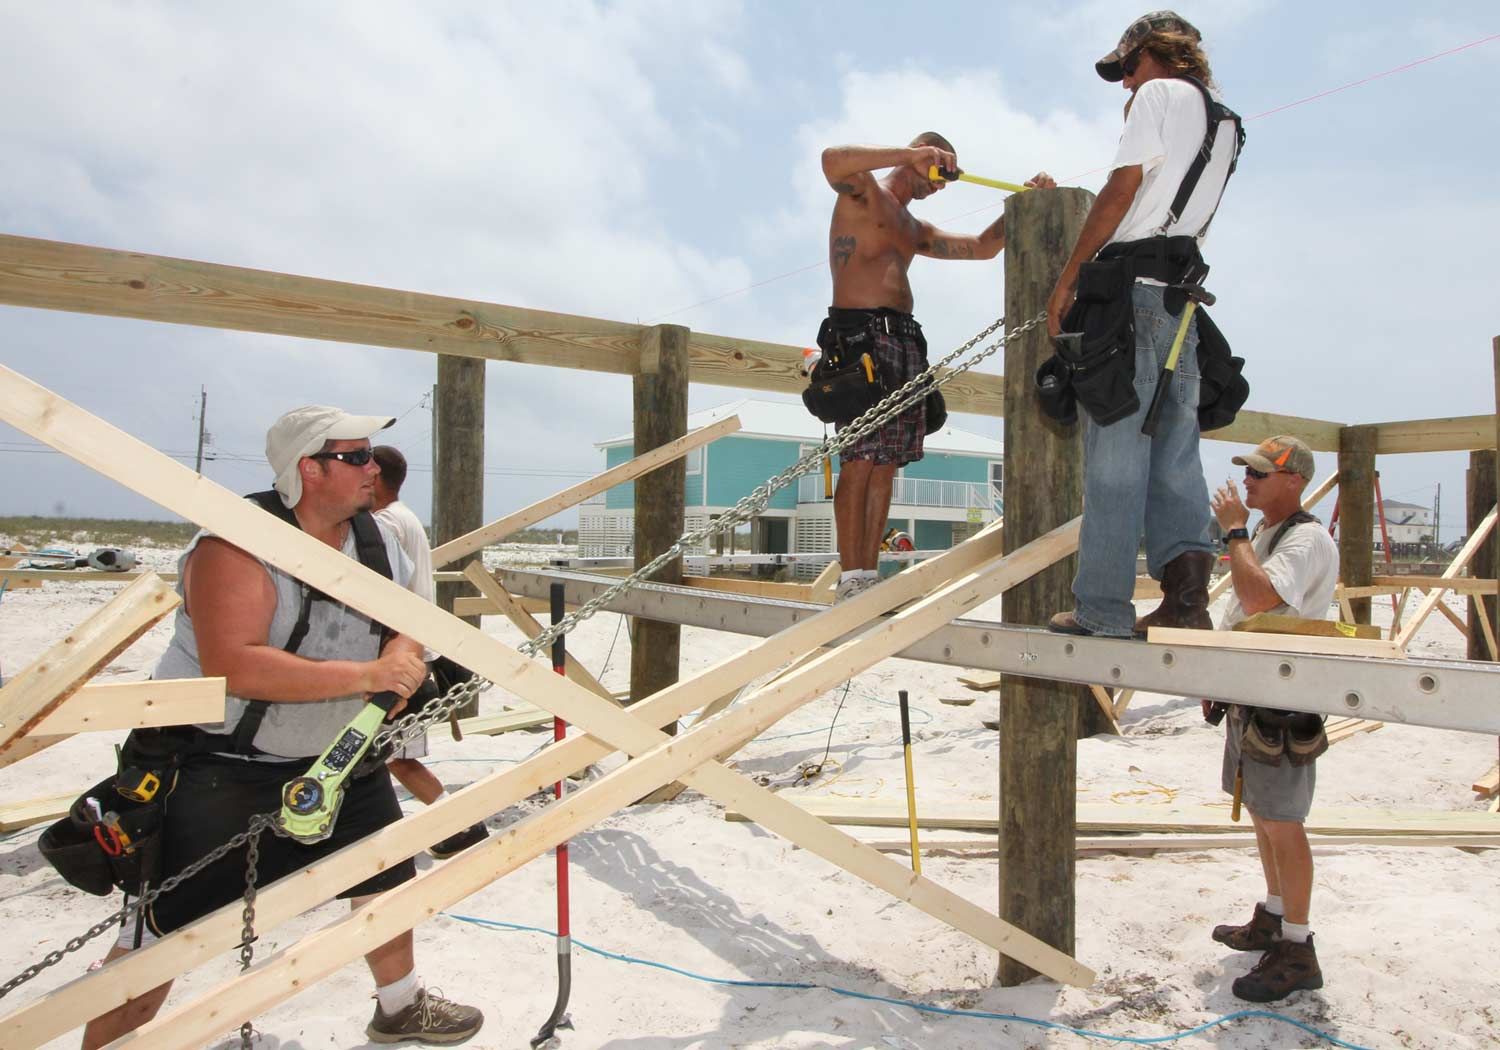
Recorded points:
(1170, 260)
(884, 319)
(1271, 735)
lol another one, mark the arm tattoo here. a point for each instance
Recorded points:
(845, 188)
(943, 248)
(841, 250)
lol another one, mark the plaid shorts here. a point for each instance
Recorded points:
(899, 440)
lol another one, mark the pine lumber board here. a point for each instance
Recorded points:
(1099, 817)
(794, 592)
(1457, 584)
(135, 705)
(1275, 623)
(94, 443)
(479, 605)
(543, 509)
(1459, 563)
(59, 672)
(981, 681)
(1445, 434)
(57, 1011)
(17, 815)
(1134, 843)
(40, 576)
(1489, 783)
(825, 583)
(1106, 704)
(506, 722)
(1277, 643)
(11, 582)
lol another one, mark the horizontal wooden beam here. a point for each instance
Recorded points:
(17, 815)
(77, 576)
(1276, 643)
(646, 462)
(1448, 434)
(1251, 428)
(135, 705)
(76, 657)
(1152, 843)
(1395, 584)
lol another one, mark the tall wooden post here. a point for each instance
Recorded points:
(1481, 497)
(1357, 514)
(1039, 720)
(458, 472)
(660, 390)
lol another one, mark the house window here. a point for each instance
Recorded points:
(694, 460)
(997, 480)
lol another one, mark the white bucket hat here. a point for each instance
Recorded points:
(303, 431)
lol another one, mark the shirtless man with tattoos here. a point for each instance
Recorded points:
(871, 242)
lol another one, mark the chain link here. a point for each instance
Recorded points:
(404, 729)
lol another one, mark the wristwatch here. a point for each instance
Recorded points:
(1235, 534)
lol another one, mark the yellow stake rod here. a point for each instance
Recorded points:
(911, 786)
(935, 174)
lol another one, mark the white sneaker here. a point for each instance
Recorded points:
(847, 589)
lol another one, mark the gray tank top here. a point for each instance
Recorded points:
(335, 632)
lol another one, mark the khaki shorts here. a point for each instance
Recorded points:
(1281, 792)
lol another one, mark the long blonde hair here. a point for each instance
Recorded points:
(1179, 52)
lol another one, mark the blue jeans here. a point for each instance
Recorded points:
(1133, 483)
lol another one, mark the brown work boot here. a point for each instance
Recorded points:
(1287, 967)
(1262, 931)
(1184, 594)
(431, 1019)
(1067, 623)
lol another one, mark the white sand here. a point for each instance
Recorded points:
(1406, 936)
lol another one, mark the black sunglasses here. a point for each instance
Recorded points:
(1130, 63)
(355, 458)
(1258, 475)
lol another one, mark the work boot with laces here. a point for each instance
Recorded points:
(1262, 931)
(1287, 967)
(1184, 594)
(429, 1019)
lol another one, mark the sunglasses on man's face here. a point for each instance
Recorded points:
(1258, 475)
(355, 457)
(1130, 63)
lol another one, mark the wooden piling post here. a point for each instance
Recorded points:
(458, 471)
(1480, 498)
(1357, 513)
(1039, 720)
(660, 393)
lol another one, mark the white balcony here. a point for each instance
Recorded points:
(917, 492)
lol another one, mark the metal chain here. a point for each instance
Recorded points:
(138, 907)
(398, 733)
(404, 729)
(247, 932)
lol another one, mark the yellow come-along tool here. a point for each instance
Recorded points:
(911, 786)
(934, 173)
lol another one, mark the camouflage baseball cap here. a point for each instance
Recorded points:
(1110, 67)
(1283, 453)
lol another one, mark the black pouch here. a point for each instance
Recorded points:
(1096, 354)
(1222, 389)
(88, 856)
(845, 383)
(937, 411)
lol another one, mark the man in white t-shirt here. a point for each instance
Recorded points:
(1289, 566)
(1136, 483)
(406, 766)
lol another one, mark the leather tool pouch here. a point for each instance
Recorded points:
(1270, 735)
(1222, 389)
(1094, 361)
(846, 382)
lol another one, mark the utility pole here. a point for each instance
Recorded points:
(202, 426)
(1437, 517)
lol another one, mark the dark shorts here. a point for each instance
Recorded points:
(213, 801)
(900, 356)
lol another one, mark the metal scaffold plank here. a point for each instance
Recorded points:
(1442, 694)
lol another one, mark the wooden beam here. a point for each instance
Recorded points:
(135, 705)
(78, 575)
(527, 624)
(1450, 434)
(543, 509)
(1476, 538)
(689, 757)
(56, 1012)
(505, 722)
(478, 605)
(1277, 643)
(1480, 492)
(792, 592)
(35, 691)
(1397, 584)
(17, 815)
(1251, 427)
(1356, 514)
(1127, 843)
(91, 441)
(824, 585)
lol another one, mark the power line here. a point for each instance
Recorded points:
(1074, 178)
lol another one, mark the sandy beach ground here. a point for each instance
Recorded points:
(1406, 936)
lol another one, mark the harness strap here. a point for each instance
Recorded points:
(1216, 113)
(1300, 517)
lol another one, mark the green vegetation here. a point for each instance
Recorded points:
(36, 533)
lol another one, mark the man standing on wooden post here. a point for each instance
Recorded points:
(1291, 566)
(871, 243)
(1169, 173)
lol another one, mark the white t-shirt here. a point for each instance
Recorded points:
(1162, 135)
(1304, 569)
(402, 522)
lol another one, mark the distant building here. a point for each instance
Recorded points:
(1406, 523)
(940, 500)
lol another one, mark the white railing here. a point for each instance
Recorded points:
(915, 492)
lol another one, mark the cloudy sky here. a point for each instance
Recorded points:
(653, 160)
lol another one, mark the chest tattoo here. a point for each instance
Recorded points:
(841, 250)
